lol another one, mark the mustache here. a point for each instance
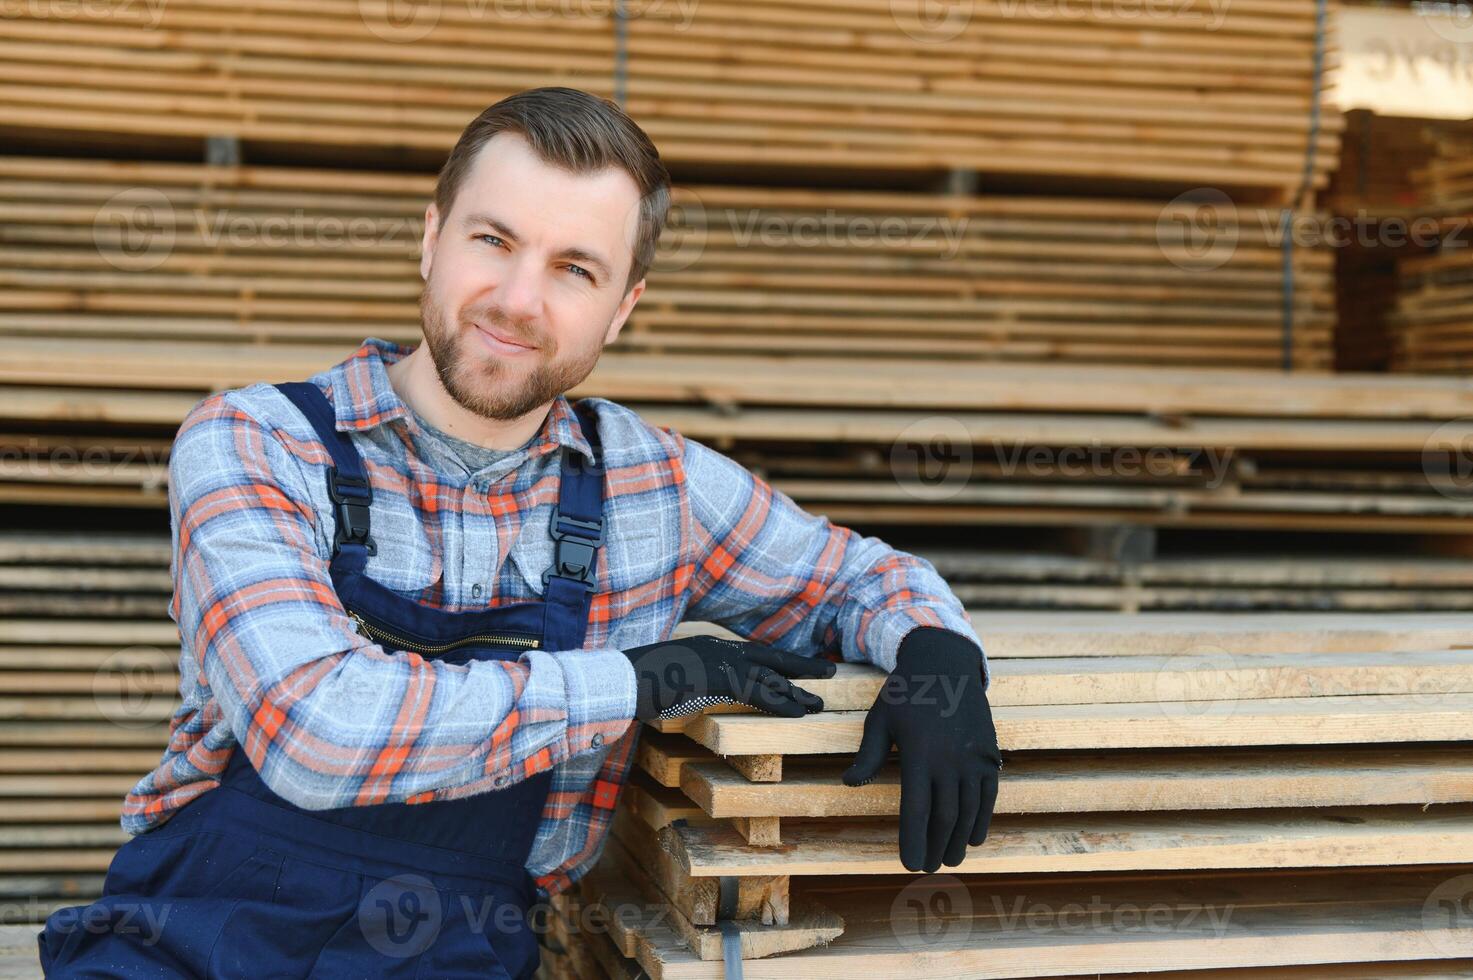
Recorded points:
(506, 328)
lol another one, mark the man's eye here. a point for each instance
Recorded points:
(495, 239)
(579, 270)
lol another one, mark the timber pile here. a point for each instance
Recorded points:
(863, 440)
(88, 680)
(104, 249)
(1431, 323)
(1180, 792)
(1186, 94)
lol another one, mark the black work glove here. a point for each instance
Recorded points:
(680, 677)
(933, 707)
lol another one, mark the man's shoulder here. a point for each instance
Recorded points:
(259, 404)
(629, 437)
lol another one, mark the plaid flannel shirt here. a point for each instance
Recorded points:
(270, 661)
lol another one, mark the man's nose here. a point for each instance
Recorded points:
(520, 292)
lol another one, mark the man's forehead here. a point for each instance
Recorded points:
(509, 182)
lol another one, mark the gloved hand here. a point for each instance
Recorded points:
(680, 677)
(933, 707)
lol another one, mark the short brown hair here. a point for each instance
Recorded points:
(581, 133)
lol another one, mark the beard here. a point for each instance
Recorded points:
(490, 386)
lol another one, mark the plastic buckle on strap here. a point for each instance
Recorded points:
(351, 509)
(573, 554)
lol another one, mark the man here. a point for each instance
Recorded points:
(422, 598)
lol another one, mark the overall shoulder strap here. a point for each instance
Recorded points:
(577, 529)
(347, 477)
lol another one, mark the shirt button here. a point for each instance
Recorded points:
(597, 740)
(476, 591)
(499, 781)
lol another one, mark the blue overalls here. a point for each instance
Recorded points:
(241, 883)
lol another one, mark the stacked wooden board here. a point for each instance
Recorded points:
(107, 249)
(1431, 323)
(88, 680)
(1300, 784)
(866, 441)
(1186, 94)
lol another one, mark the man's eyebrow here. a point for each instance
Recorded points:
(573, 252)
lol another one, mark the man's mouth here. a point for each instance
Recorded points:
(500, 343)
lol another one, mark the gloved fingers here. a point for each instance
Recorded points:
(983, 822)
(791, 664)
(763, 698)
(915, 809)
(945, 790)
(966, 819)
(874, 745)
(781, 685)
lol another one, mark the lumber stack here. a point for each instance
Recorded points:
(1431, 323)
(1301, 784)
(1187, 94)
(864, 440)
(107, 249)
(89, 678)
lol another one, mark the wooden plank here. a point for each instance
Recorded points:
(1135, 842)
(1243, 927)
(1119, 781)
(1167, 724)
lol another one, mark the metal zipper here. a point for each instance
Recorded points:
(368, 629)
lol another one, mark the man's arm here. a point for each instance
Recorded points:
(329, 717)
(768, 569)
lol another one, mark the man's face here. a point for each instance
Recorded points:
(525, 283)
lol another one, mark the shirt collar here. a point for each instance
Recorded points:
(363, 398)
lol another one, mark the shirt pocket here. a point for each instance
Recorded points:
(636, 552)
(407, 560)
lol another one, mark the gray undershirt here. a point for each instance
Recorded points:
(471, 457)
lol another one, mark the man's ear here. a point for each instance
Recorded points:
(427, 244)
(622, 313)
